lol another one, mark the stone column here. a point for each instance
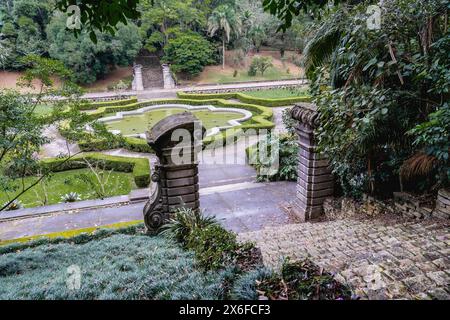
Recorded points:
(138, 81)
(176, 141)
(315, 181)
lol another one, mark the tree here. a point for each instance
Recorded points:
(91, 61)
(224, 20)
(101, 15)
(22, 129)
(160, 17)
(380, 94)
(188, 53)
(261, 64)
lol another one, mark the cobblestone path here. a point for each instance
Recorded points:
(379, 259)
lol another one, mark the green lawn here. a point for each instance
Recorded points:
(121, 266)
(43, 109)
(242, 76)
(277, 93)
(141, 123)
(61, 183)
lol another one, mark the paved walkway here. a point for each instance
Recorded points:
(241, 207)
(380, 259)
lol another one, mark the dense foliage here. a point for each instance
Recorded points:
(90, 61)
(382, 95)
(188, 53)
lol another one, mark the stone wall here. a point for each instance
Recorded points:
(403, 204)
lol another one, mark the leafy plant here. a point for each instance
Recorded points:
(301, 280)
(71, 197)
(183, 223)
(12, 206)
(189, 53)
(214, 246)
(261, 64)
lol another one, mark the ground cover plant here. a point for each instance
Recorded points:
(121, 266)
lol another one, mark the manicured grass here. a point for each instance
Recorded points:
(120, 266)
(242, 76)
(277, 93)
(43, 109)
(141, 123)
(61, 183)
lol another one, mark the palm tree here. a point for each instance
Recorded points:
(223, 19)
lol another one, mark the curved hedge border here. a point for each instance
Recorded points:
(128, 143)
(140, 167)
(96, 105)
(244, 98)
(261, 119)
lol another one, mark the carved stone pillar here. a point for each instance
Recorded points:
(315, 181)
(138, 81)
(176, 141)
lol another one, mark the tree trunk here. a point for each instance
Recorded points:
(223, 53)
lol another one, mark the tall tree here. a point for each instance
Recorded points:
(224, 20)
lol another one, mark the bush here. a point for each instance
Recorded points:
(15, 205)
(188, 53)
(214, 246)
(252, 70)
(184, 222)
(287, 159)
(71, 197)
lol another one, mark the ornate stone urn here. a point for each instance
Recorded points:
(176, 140)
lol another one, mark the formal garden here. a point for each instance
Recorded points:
(324, 150)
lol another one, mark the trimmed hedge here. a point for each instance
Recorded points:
(96, 105)
(140, 167)
(261, 119)
(245, 98)
(128, 143)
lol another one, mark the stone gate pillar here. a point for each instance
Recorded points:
(138, 83)
(176, 141)
(315, 181)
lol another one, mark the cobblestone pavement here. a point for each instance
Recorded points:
(379, 259)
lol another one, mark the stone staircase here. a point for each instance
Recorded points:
(152, 73)
(379, 259)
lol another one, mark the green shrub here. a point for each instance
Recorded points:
(252, 70)
(214, 246)
(184, 222)
(287, 159)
